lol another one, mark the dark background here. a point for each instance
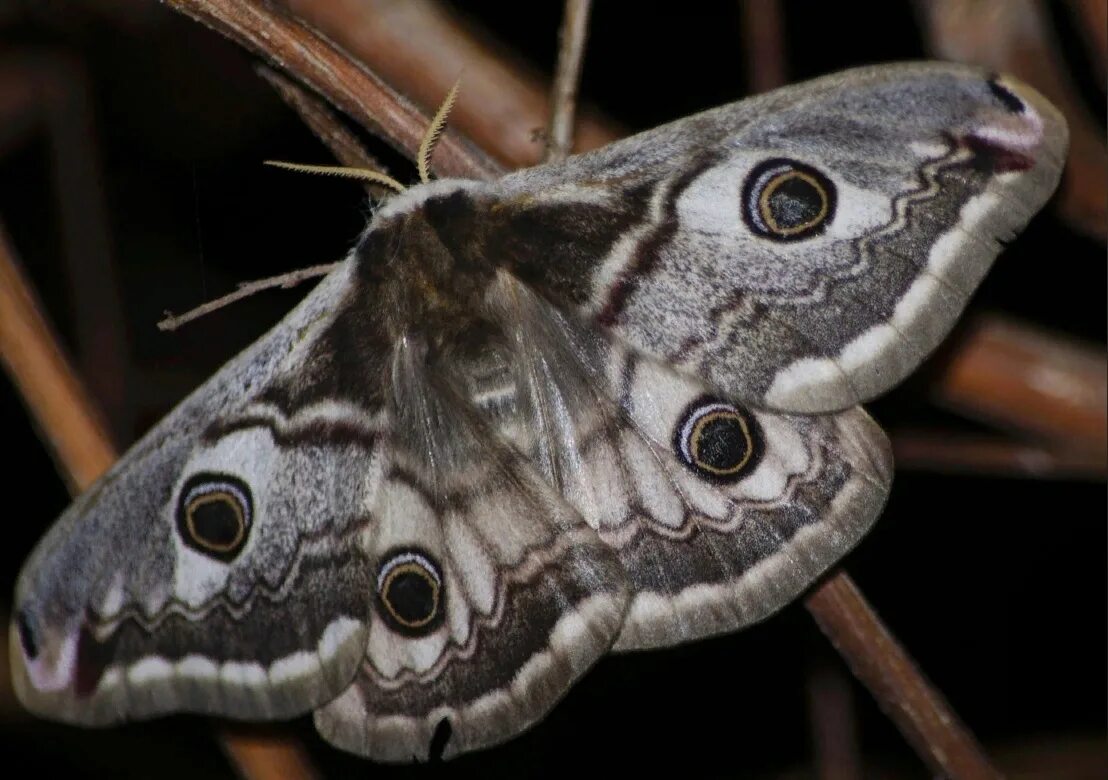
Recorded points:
(996, 585)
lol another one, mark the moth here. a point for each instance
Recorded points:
(601, 405)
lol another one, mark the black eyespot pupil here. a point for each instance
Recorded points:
(214, 515)
(217, 522)
(787, 200)
(411, 592)
(412, 597)
(722, 443)
(718, 441)
(795, 203)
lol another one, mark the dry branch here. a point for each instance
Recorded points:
(327, 127)
(1092, 23)
(567, 77)
(763, 38)
(881, 663)
(63, 411)
(1030, 381)
(419, 47)
(835, 743)
(79, 442)
(49, 94)
(981, 456)
(296, 49)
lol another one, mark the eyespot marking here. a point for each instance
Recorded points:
(214, 515)
(410, 592)
(787, 200)
(718, 441)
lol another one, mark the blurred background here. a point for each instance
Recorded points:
(131, 141)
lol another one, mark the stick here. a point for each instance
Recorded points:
(1028, 380)
(880, 662)
(327, 127)
(567, 78)
(764, 44)
(347, 84)
(994, 456)
(418, 48)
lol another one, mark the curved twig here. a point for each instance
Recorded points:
(297, 49)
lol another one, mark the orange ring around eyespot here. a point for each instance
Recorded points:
(773, 184)
(208, 498)
(410, 566)
(694, 442)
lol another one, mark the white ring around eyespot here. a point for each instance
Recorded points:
(759, 186)
(207, 488)
(693, 419)
(408, 557)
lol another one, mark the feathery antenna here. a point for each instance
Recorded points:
(431, 137)
(365, 174)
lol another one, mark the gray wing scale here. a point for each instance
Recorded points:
(127, 619)
(704, 553)
(608, 404)
(527, 596)
(923, 170)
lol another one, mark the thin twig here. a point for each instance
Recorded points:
(246, 289)
(1030, 381)
(1091, 17)
(52, 93)
(351, 87)
(567, 78)
(900, 688)
(763, 39)
(76, 436)
(419, 46)
(326, 126)
(260, 752)
(993, 456)
(83, 451)
(834, 725)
